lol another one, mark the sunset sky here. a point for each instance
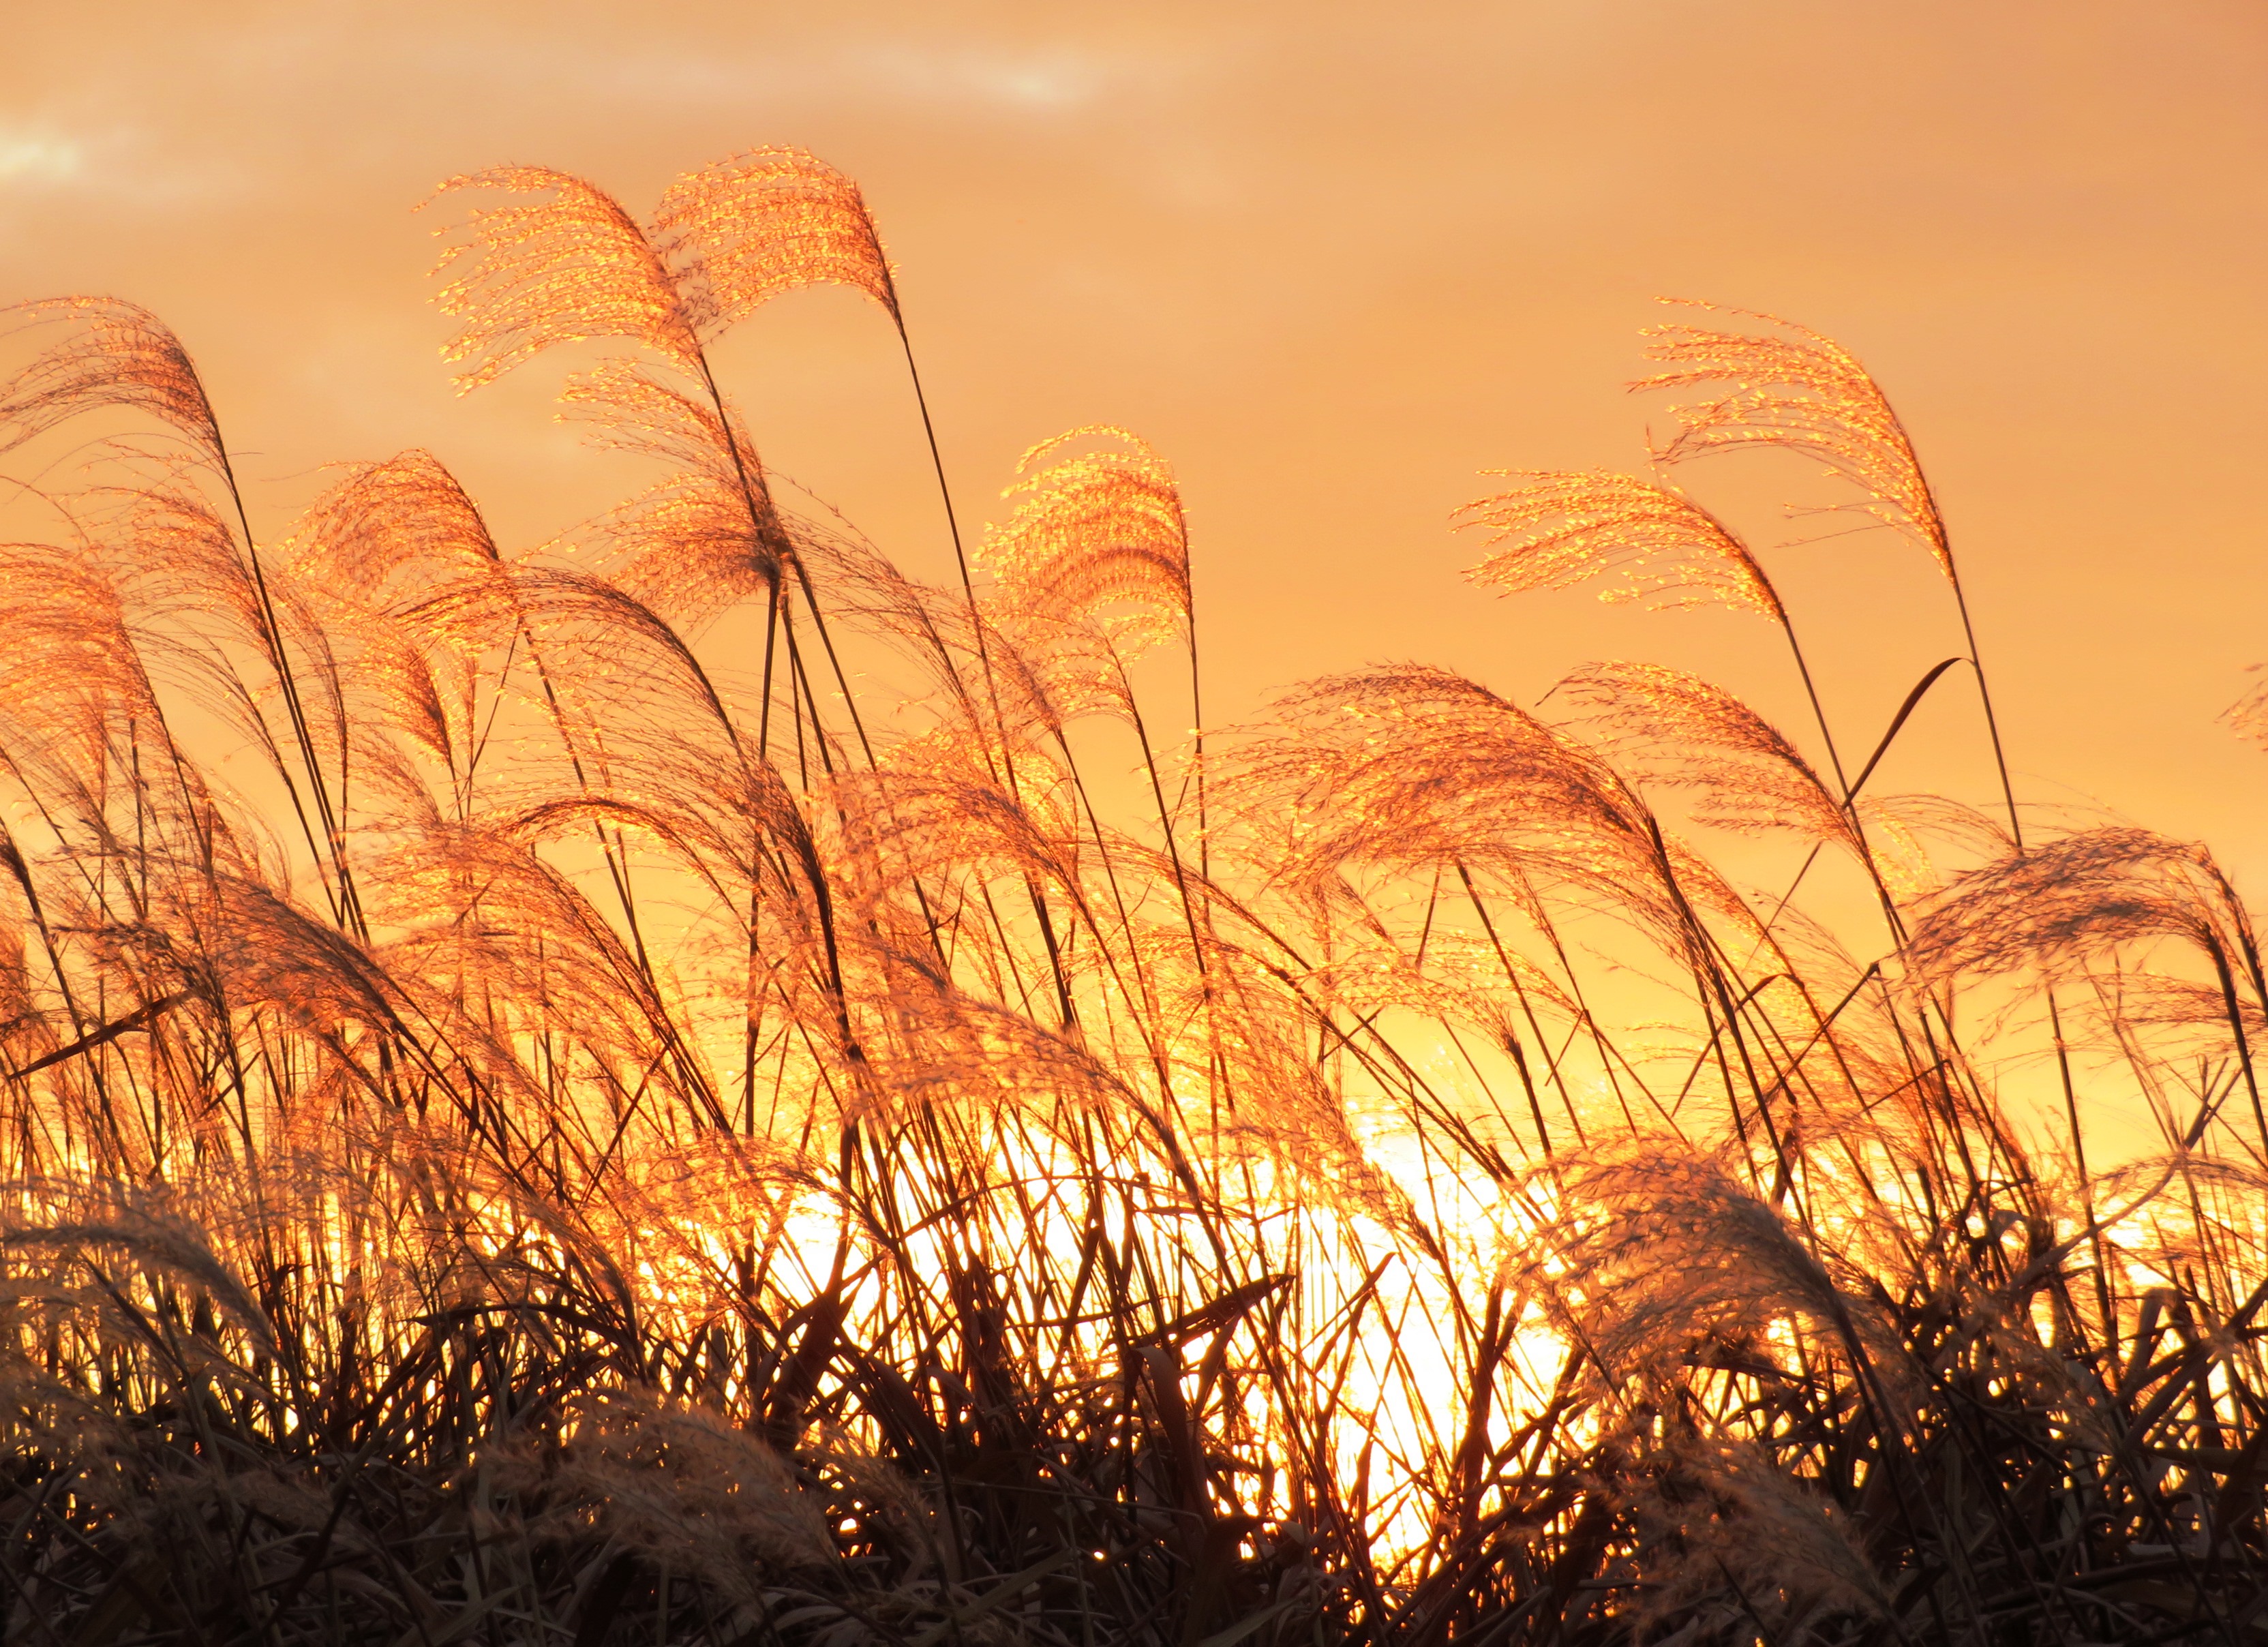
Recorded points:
(1333, 259)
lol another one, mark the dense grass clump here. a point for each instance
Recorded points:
(536, 1111)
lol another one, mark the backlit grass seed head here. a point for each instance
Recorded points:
(1096, 529)
(101, 352)
(2215, 1213)
(2179, 1021)
(1792, 387)
(685, 547)
(1657, 1247)
(2078, 898)
(2248, 716)
(625, 406)
(72, 677)
(1674, 729)
(1910, 836)
(1407, 769)
(1089, 571)
(676, 1484)
(767, 221)
(567, 265)
(64, 1227)
(1713, 1508)
(708, 535)
(1559, 529)
(361, 558)
(389, 530)
(1400, 764)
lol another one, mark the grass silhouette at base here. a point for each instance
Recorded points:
(591, 1130)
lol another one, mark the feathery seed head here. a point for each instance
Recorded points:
(1095, 529)
(2077, 898)
(765, 222)
(110, 353)
(1678, 730)
(1558, 529)
(567, 265)
(1795, 388)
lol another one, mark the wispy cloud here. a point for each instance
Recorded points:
(1037, 80)
(905, 72)
(115, 168)
(36, 157)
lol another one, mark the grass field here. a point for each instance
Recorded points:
(536, 1113)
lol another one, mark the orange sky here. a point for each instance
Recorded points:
(1333, 258)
